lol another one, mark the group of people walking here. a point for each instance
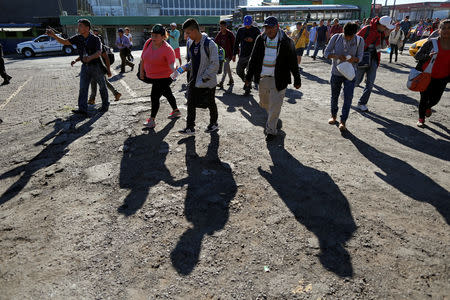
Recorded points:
(269, 60)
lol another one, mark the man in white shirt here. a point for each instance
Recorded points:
(130, 37)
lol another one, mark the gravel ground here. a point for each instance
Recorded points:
(97, 208)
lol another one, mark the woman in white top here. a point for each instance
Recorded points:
(395, 41)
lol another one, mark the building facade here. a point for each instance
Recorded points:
(164, 7)
(365, 5)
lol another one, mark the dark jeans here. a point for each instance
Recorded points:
(89, 72)
(125, 62)
(319, 46)
(394, 49)
(336, 85)
(161, 87)
(191, 109)
(370, 81)
(404, 41)
(432, 95)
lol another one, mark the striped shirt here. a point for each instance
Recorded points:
(270, 56)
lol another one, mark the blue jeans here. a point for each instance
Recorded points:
(371, 75)
(336, 85)
(89, 72)
(309, 47)
(319, 46)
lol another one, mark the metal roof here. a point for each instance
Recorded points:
(125, 20)
(298, 7)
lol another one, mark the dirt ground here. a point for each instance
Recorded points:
(97, 208)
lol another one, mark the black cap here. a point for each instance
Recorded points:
(159, 29)
(120, 30)
(270, 21)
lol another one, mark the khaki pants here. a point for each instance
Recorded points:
(271, 100)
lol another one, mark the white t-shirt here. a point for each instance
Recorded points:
(129, 36)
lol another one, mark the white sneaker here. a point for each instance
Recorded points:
(362, 107)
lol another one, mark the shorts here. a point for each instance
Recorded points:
(299, 51)
(177, 53)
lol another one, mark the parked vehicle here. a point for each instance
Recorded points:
(43, 44)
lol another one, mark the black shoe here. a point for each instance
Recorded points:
(80, 112)
(187, 131)
(220, 85)
(104, 109)
(132, 68)
(247, 92)
(270, 137)
(314, 58)
(212, 128)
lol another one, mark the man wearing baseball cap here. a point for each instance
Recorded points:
(123, 43)
(271, 64)
(245, 39)
(376, 37)
(174, 37)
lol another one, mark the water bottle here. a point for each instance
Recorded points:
(177, 73)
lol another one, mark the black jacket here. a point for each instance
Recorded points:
(286, 62)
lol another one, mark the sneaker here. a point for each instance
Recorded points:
(270, 137)
(117, 96)
(91, 101)
(188, 131)
(175, 114)
(362, 107)
(421, 123)
(231, 82)
(220, 85)
(332, 120)
(428, 112)
(212, 128)
(342, 127)
(150, 123)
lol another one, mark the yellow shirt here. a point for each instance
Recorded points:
(303, 40)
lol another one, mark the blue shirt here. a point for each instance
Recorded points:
(195, 58)
(124, 41)
(174, 41)
(312, 34)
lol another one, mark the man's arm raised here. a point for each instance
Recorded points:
(51, 33)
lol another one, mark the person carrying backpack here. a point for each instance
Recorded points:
(343, 47)
(203, 65)
(440, 73)
(157, 64)
(376, 37)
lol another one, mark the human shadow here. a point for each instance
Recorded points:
(293, 96)
(143, 167)
(395, 70)
(248, 107)
(116, 77)
(51, 154)
(442, 127)
(316, 202)
(406, 179)
(396, 97)
(211, 187)
(412, 138)
(315, 78)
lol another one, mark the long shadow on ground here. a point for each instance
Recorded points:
(412, 137)
(143, 167)
(405, 178)
(211, 187)
(316, 202)
(396, 97)
(50, 154)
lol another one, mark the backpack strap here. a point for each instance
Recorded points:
(206, 46)
(147, 44)
(429, 68)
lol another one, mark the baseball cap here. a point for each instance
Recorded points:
(120, 30)
(270, 21)
(159, 29)
(173, 24)
(248, 20)
(386, 21)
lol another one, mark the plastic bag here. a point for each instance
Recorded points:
(347, 70)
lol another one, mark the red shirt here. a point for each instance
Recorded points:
(335, 29)
(441, 67)
(156, 61)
